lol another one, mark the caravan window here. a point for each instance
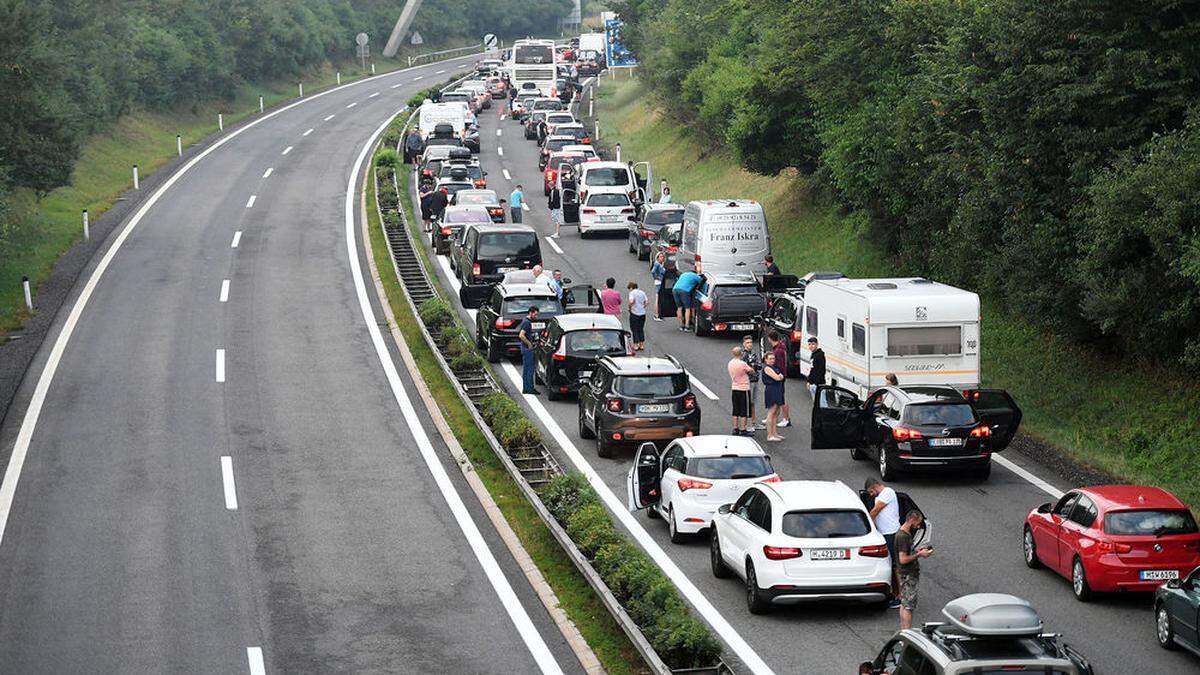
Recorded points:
(810, 320)
(841, 321)
(859, 341)
(925, 341)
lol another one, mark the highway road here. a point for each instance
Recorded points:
(213, 465)
(978, 525)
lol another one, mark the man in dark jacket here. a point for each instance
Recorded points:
(437, 205)
(412, 147)
(816, 373)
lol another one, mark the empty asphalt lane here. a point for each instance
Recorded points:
(120, 552)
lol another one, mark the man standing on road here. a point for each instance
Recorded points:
(886, 514)
(554, 202)
(685, 287)
(516, 204)
(437, 206)
(816, 371)
(658, 271)
(528, 335)
(637, 316)
(739, 377)
(910, 565)
(558, 285)
(412, 147)
(752, 359)
(779, 349)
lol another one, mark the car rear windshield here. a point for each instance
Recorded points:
(592, 342)
(556, 144)
(739, 289)
(472, 172)
(554, 104)
(508, 244)
(1149, 522)
(453, 188)
(939, 414)
(561, 118)
(827, 524)
(467, 216)
(546, 306)
(484, 199)
(608, 199)
(459, 96)
(729, 467)
(664, 217)
(652, 386)
(608, 177)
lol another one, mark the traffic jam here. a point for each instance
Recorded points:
(777, 427)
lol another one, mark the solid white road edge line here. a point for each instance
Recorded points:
(237, 239)
(16, 461)
(512, 605)
(553, 245)
(506, 174)
(250, 202)
(287, 150)
(220, 365)
(227, 482)
(254, 656)
(698, 600)
(268, 172)
(224, 291)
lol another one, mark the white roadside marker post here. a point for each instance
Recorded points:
(339, 79)
(372, 68)
(260, 104)
(301, 90)
(178, 145)
(136, 183)
(28, 295)
(220, 122)
(87, 230)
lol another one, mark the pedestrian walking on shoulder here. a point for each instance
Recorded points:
(528, 335)
(886, 514)
(910, 565)
(684, 290)
(637, 316)
(772, 395)
(739, 379)
(516, 204)
(554, 202)
(610, 297)
(780, 350)
(658, 271)
(752, 359)
(426, 199)
(412, 147)
(816, 370)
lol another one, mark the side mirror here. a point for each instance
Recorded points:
(1044, 508)
(503, 201)
(566, 280)
(1175, 583)
(725, 508)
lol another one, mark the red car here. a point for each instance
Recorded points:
(1113, 538)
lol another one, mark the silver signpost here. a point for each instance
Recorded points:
(363, 49)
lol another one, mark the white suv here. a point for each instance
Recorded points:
(800, 541)
(693, 476)
(605, 210)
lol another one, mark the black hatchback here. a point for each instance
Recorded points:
(909, 428)
(570, 347)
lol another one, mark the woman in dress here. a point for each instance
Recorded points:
(772, 395)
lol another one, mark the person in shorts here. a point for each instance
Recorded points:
(739, 376)
(684, 291)
(910, 565)
(886, 514)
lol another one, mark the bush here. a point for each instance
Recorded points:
(567, 494)
(517, 432)
(591, 529)
(387, 157)
(436, 314)
(466, 363)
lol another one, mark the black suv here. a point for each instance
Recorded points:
(570, 345)
(653, 218)
(728, 303)
(917, 427)
(637, 398)
(498, 318)
(451, 226)
(487, 252)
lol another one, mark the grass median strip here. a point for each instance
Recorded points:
(574, 594)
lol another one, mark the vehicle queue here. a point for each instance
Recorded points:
(892, 366)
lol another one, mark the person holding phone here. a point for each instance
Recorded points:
(910, 565)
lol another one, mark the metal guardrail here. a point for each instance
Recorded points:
(481, 48)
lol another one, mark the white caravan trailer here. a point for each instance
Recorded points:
(922, 331)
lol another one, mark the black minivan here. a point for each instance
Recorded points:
(570, 346)
(487, 253)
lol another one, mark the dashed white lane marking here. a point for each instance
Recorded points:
(1027, 475)
(254, 656)
(227, 481)
(500, 151)
(554, 245)
(418, 78)
(268, 172)
(250, 202)
(307, 132)
(220, 365)
(703, 389)
(237, 239)
(507, 176)
(487, 561)
(698, 600)
(373, 95)
(330, 117)
(224, 291)
(499, 131)
(397, 85)
(286, 150)
(352, 105)
(439, 72)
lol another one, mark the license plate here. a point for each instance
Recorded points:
(538, 325)
(585, 374)
(654, 408)
(830, 554)
(1158, 575)
(608, 219)
(945, 441)
(741, 326)
(502, 270)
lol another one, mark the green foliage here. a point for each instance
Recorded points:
(435, 314)
(466, 362)
(387, 157)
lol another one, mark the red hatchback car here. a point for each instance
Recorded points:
(1113, 538)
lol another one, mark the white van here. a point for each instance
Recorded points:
(724, 236)
(433, 114)
(922, 331)
(606, 176)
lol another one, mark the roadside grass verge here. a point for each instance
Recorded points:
(576, 597)
(1135, 421)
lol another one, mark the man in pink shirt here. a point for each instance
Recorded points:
(739, 376)
(610, 297)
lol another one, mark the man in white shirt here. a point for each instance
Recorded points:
(886, 514)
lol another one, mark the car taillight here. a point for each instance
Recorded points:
(772, 479)
(689, 402)
(445, 232)
(589, 210)
(475, 268)
(505, 323)
(586, 140)
(560, 354)
(877, 551)
(480, 183)
(982, 431)
(781, 552)
(426, 172)
(627, 210)
(495, 211)
(697, 257)
(686, 484)
(1113, 547)
(551, 174)
(672, 249)
(707, 305)
(905, 434)
(646, 234)
(614, 404)
(797, 336)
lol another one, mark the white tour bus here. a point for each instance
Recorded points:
(922, 331)
(724, 236)
(527, 79)
(433, 114)
(533, 52)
